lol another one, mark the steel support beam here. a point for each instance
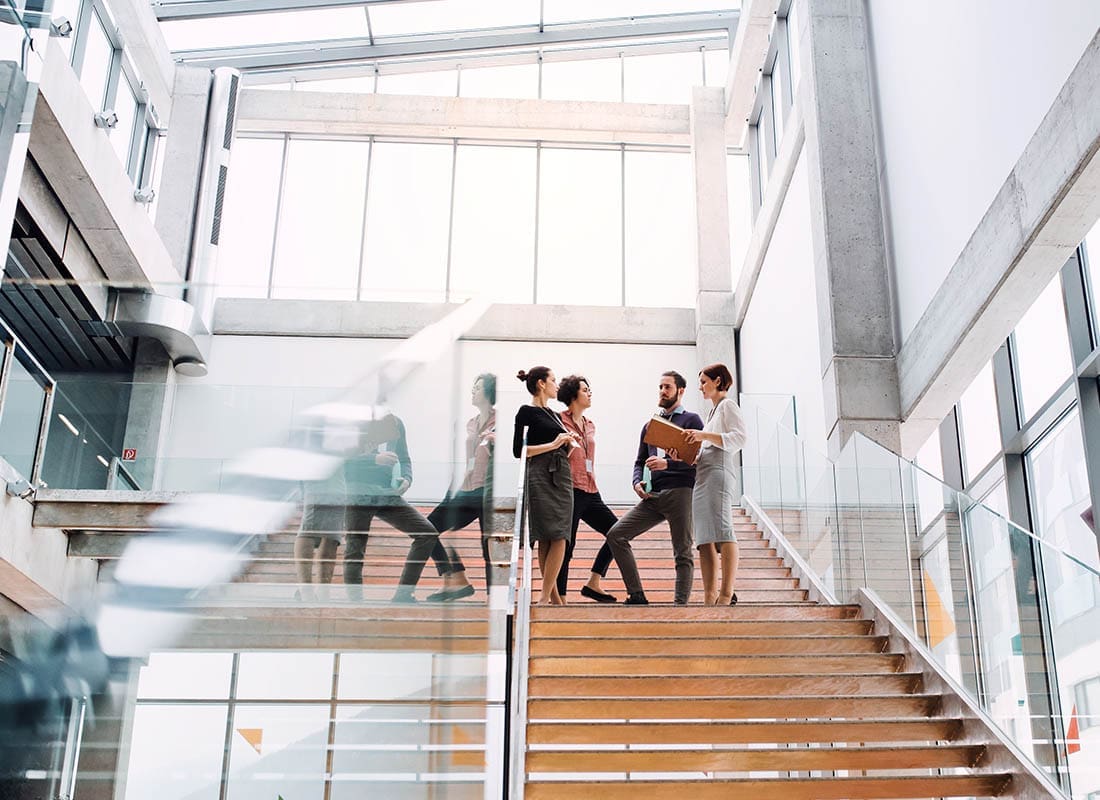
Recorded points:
(203, 9)
(328, 51)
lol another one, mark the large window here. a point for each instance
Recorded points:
(663, 78)
(307, 725)
(580, 227)
(981, 436)
(774, 97)
(95, 69)
(1059, 485)
(408, 218)
(111, 84)
(251, 202)
(660, 230)
(493, 244)
(590, 79)
(422, 221)
(1043, 360)
(317, 249)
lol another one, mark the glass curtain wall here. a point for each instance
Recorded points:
(443, 221)
(1026, 437)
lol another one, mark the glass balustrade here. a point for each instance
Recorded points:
(1008, 614)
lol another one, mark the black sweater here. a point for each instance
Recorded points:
(543, 427)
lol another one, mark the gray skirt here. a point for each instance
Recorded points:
(549, 496)
(713, 497)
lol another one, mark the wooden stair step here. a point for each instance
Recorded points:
(685, 615)
(705, 646)
(726, 685)
(868, 788)
(780, 759)
(701, 706)
(631, 630)
(802, 731)
(680, 665)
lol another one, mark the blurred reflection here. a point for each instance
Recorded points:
(474, 498)
(375, 482)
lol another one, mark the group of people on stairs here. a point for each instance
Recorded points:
(694, 497)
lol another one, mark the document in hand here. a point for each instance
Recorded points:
(662, 433)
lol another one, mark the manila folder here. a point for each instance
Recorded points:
(663, 434)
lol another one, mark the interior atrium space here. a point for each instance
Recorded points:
(531, 399)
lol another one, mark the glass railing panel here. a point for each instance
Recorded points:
(941, 604)
(820, 543)
(851, 563)
(768, 471)
(309, 682)
(1006, 607)
(1073, 604)
(21, 415)
(885, 527)
(1008, 615)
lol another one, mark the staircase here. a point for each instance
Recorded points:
(777, 697)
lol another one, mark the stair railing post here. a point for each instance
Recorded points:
(519, 644)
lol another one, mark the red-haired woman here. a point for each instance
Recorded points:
(715, 494)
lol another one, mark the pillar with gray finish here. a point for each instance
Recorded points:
(857, 338)
(714, 309)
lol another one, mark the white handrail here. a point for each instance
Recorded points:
(521, 634)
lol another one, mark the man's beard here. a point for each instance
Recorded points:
(666, 402)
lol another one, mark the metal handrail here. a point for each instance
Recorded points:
(520, 602)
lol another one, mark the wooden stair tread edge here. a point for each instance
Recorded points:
(740, 759)
(834, 788)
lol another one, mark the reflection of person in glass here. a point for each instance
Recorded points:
(320, 535)
(587, 503)
(549, 493)
(460, 508)
(376, 481)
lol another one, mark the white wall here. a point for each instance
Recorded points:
(961, 88)
(779, 339)
(244, 401)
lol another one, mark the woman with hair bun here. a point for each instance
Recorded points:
(713, 497)
(549, 484)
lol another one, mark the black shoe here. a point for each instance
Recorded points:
(733, 599)
(599, 597)
(636, 599)
(447, 595)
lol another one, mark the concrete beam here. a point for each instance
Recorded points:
(272, 111)
(96, 510)
(506, 323)
(750, 47)
(1045, 207)
(84, 172)
(47, 212)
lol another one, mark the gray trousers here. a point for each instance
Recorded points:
(673, 505)
(400, 515)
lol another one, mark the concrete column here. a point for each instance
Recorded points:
(183, 163)
(850, 257)
(714, 307)
(148, 418)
